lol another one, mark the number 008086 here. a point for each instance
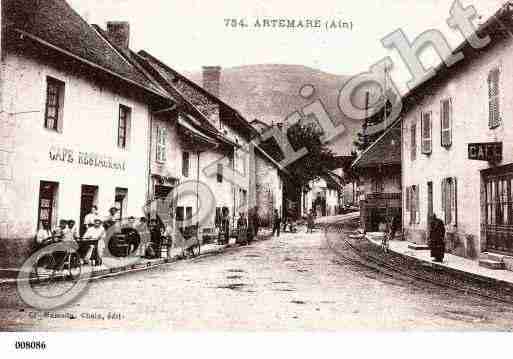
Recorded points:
(30, 345)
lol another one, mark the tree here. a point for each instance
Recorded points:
(319, 159)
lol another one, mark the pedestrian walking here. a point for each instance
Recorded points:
(242, 229)
(276, 223)
(437, 239)
(310, 221)
(395, 225)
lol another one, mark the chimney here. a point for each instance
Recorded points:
(211, 78)
(119, 33)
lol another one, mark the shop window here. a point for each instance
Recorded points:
(124, 126)
(185, 164)
(47, 203)
(449, 200)
(446, 122)
(493, 98)
(161, 144)
(219, 172)
(54, 104)
(498, 201)
(121, 200)
(426, 133)
(413, 142)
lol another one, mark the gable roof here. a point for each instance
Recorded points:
(55, 24)
(201, 98)
(385, 151)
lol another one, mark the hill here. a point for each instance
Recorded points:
(271, 92)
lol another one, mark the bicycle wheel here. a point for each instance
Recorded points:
(44, 268)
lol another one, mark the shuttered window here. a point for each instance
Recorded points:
(493, 98)
(54, 104)
(161, 144)
(446, 122)
(413, 142)
(450, 200)
(426, 132)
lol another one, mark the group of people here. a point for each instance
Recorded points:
(92, 236)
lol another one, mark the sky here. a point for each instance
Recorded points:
(190, 34)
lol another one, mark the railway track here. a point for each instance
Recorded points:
(362, 258)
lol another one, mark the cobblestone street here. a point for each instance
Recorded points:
(293, 282)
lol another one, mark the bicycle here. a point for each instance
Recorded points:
(385, 242)
(55, 265)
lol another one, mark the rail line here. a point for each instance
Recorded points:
(381, 266)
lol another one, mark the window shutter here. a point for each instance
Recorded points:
(408, 199)
(417, 202)
(446, 122)
(442, 202)
(493, 98)
(413, 142)
(426, 132)
(454, 202)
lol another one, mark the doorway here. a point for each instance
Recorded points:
(88, 198)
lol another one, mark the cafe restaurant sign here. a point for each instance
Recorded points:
(485, 151)
(86, 159)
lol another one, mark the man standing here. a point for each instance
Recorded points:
(276, 223)
(90, 217)
(95, 233)
(436, 239)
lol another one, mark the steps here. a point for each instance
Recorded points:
(491, 261)
(418, 247)
(487, 263)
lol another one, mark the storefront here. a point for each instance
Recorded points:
(497, 210)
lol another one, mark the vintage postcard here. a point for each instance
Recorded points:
(255, 166)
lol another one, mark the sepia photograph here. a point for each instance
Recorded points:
(255, 167)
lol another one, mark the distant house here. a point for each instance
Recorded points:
(379, 172)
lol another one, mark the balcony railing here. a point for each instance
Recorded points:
(383, 196)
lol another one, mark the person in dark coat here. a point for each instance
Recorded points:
(437, 239)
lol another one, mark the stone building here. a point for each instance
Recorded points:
(86, 121)
(457, 144)
(74, 123)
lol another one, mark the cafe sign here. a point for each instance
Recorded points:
(485, 151)
(85, 159)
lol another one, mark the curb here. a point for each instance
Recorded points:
(504, 285)
(147, 265)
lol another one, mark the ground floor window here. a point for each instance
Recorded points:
(47, 203)
(121, 199)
